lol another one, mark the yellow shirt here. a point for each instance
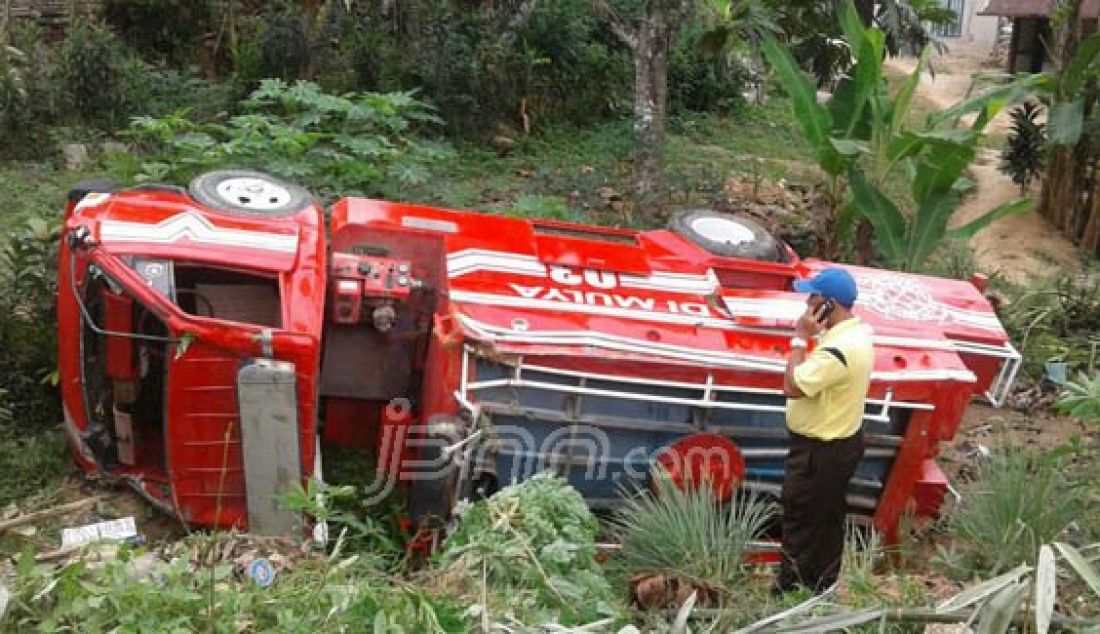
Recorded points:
(835, 390)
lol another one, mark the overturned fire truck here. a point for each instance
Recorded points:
(213, 338)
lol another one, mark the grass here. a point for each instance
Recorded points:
(585, 167)
(35, 190)
(1018, 502)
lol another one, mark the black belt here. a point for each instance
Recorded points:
(799, 439)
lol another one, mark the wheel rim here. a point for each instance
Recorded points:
(254, 194)
(722, 230)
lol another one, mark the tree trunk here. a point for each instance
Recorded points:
(866, 11)
(1091, 238)
(1057, 195)
(652, 41)
(865, 242)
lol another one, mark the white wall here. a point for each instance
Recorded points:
(979, 29)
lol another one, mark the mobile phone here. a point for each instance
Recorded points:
(822, 312)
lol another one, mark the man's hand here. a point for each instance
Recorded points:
(807, 325)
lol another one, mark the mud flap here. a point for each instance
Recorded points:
(266, 395)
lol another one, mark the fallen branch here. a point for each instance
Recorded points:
(64, 509)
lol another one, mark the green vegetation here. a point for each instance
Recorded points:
(333, 144)
(686, 532)
(1022, 158)
(1017, 502)
(1056, 321)
(529, 553)
(1081, 398)
(861, 142)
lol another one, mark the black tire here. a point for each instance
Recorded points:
(746, 239)
(283, 199)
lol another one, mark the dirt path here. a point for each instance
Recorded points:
(1019, 248)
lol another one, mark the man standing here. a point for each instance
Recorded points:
(825, 393)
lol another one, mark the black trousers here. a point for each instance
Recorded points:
(817, 476)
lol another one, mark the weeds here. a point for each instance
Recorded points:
(31, 464)
(139, 590)
(1017, 502)
(1056, 321)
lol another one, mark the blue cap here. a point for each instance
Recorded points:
(834, 284)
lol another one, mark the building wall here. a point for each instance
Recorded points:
(980, 29)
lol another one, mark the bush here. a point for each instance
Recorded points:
(28, 93)
(31, 464)
(1023, 155)
(13, 88)
(477, 67)
(1081, 398)
(1056, 321)
(1017, 502)
(161, 29)
(703, 83)
(689, 533)
(531, 548)
(97, 73)
(28, 335)
(358, 143)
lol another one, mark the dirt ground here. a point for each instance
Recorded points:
(1018, 248)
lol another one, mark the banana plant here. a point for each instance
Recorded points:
(860, 139)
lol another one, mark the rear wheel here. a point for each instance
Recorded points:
(248, 192)
(728, 235)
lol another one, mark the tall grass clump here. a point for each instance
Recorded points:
(1018, 502)
(688, 532)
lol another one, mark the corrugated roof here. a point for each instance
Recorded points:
(1034, 8)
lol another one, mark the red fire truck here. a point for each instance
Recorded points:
(214, 337)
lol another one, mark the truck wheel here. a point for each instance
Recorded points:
(247, 192)
(727, 235)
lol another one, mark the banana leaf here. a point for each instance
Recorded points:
(1066, 121)
(1073, 77)
(814, 118)
(1010, 208)
(888, 222)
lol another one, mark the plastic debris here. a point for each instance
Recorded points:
(120, 529)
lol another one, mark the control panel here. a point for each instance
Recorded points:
(375, 282)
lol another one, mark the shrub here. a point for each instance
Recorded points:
(1017, 502)
(1081, 398)
(31, 463)
(700, 82)
(688, 532)
(28, 93)
(531, 547)
(96, 72)
(27, 316)
(357, 143)
(161, 29)
(1056, 320)
(1022, 158)
(13, 88)
(285, 44)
